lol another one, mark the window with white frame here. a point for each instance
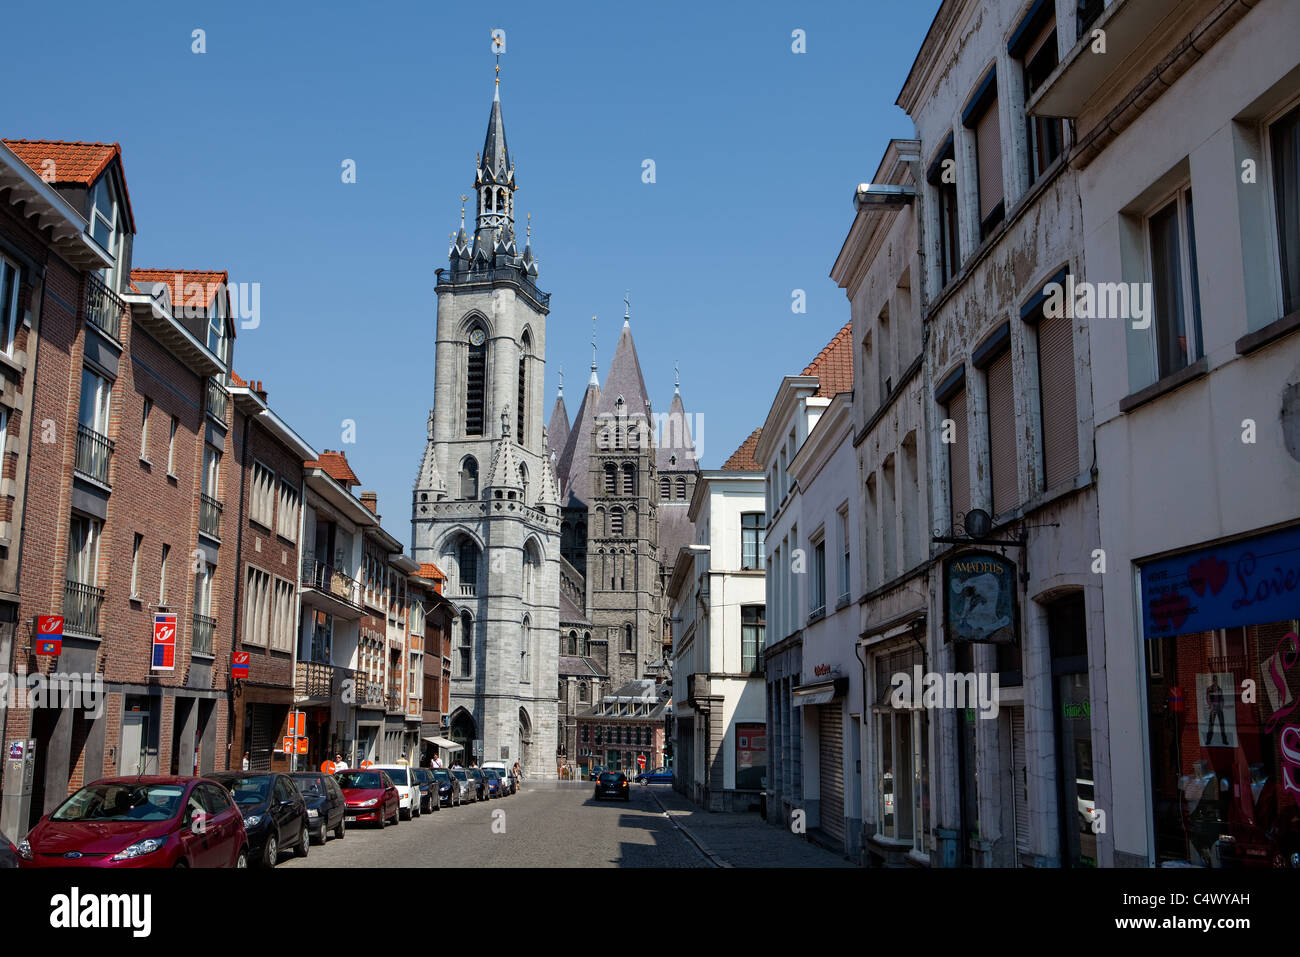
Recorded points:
(83, 549)
(753, 624)
(96, 396)
(203, 589)
(1171, 250)
(287, 520)
(257, 621)
(261, 507)
(171, 446)
(9, 279)
(902, 771)
(105, 228)
(282, 616)
(144, 428)
(981, 116)
(162, 575)
(845, 540)
(211, 471)
(817, 598)
(752, 534)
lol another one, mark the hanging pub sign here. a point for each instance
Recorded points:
(979, 591)
(1254, 581)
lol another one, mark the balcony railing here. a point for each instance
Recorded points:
(468, 589)
(94, 452)
(322, 577)
(205, 629)
(394, 701)
(81, 604)
(313, 681)
(210, 515)
(104, 310)
(217, 400)
(374, 696)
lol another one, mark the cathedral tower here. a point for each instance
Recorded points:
(486, 505)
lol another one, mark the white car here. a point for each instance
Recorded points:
(504, 772)
(408, 789)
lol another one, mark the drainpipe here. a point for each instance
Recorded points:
(234, 615)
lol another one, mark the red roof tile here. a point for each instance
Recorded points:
(742, 460)
(236, 381)
(834, 364)
(335, 465)
(431, 571)
(75, 164)
(182, 283)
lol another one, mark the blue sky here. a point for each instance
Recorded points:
(233, 161)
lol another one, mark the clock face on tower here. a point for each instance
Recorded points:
(477, 337)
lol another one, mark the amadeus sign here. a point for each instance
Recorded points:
(979, 590)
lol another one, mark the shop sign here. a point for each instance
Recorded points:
(980, 597)
(164, 642)
(1251, 582)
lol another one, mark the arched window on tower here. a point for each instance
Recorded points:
(475, 381)
(469, 478)
(586, 644)
(611, 479)
(523, 481)
(665, 489)
(681, 486)
(573, 643)
(627, 637)
(465, 647)
(467, 566)
(525, 643)
(616, 521)
(525, 350)
(629, 479)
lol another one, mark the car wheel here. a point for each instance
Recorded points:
(272, 850)
(397, 815)
(406, 815)
(180, 863)
(341, 829)
(322, 833)
(241, 860)
(304, 841)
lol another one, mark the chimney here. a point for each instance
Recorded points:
(371, 501)
(259, 390)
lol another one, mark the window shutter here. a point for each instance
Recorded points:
(988, 146)
(1002, 435)
(1056, 386)
(1019, 780)
(958, 464)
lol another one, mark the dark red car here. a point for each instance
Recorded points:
(144, 821)
(369, 795)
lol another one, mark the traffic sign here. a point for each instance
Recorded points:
(302, 745)
(327, 767)
(287, 745)
(298, 723)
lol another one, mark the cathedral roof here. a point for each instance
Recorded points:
(742, 460)
(575, 460)
(675, 440)
(582, 667)
(557, 431)
(624, 379)
(833, 366)
(570, 613)
(675, 530)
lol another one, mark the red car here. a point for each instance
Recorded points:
(369, 795)
(145, 821)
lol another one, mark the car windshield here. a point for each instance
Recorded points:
(491, 772)
(609, 777)
(397, 774)
(309, 784)
(358, 779)
(122, 802)
(441, 776)
(461, 775)
(253, 789)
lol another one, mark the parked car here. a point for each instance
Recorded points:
(613, 784)
(325, 803)
(275, 814)
(369, 795)
(408, 791)
(596, 771)
(153, 821)
(479, 783)
(508, 782)
(657, 776)
(448, 786)
(493, 778)
(428, 790)
(468, 785)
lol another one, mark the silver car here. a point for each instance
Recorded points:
(468, 788)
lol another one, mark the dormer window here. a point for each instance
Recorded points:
(104, 226)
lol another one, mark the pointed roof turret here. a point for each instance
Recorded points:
(557, 431)
(624, 379)
(676, 449)
(575, 460)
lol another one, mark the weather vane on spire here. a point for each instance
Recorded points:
(627, 305)
(463, 198)
(677, 377)
(528, 229)
(561, 382)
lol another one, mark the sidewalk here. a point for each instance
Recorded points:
(741, 839)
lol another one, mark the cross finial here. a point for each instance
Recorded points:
(677, 377)
(561, 392)
(627, 306)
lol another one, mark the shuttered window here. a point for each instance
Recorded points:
(958, 464)
(1019, 778)
(1056, 388)
(988, 158)
(1002, 434)
(830, 754)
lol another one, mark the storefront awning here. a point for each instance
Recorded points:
(820, 692)
(444, 743)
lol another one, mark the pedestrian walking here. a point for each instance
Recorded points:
(339, 763)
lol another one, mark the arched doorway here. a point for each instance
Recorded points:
(527, 754)
(463, 731)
